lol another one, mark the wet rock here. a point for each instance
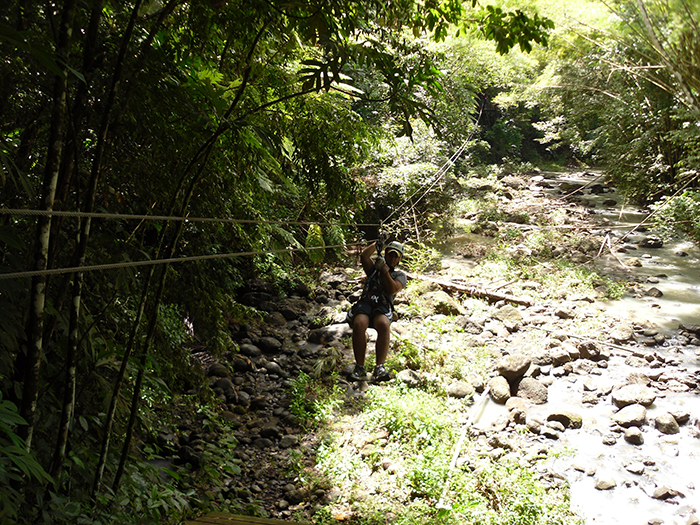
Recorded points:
(513, 366)
(653, 292)
(631, 416)
(499, 390)
(651, 242)
(459, 389)
(633, 394)
(664, 493)
(605, 483)
(666, 424)
(531, 389)
(568, 419)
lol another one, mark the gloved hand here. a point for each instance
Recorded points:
(381, 242)
(379, 262)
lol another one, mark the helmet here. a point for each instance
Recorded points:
(394, 246)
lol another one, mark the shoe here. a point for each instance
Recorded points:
(358, 374)
(380, 374)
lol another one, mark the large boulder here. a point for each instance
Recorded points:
(440, 302)
(513, 366)
(631, 416)
(531, 389)
(633, 394)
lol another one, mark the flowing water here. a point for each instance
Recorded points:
(672, 461)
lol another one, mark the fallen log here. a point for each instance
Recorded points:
(474, 291)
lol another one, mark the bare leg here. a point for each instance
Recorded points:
(382, 325)
(359, 338)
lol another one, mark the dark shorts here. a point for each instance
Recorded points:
(371, 310)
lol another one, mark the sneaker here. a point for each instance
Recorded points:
(359, 373)
(380, 374)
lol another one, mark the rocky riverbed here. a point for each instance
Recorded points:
(620, 402)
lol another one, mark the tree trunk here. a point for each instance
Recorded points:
(474, 291)
(35, 329)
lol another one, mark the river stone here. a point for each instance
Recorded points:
(666, 424)
(408, 377)
(588, 350)
(636, 467)
(532, 389)
(329, 333)
(242, 364)
(664, 493)
(622, 333)
(559, 356)
(508, 313)
(567, 419)
(217, 370)
(565, 311)
(654, 292)
(459, 389)
(440, 302)
(250, 350)
(633, 394)
(605, 483)
(631, 416)
(269, 344)
(513, 366)
(633, 436)
(289, 441)
(499, 389)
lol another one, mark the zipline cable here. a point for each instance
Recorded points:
(132, 264)
(95, 215)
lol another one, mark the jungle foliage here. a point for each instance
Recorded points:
(263, 116)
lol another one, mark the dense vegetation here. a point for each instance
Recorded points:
(266, 117)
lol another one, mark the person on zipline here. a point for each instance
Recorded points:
(375, 308)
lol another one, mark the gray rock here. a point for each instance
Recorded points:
(217, 370)
(243, 364)
(664, 493)
(508, 313)
(633, 436)
(409, 377)
(666, 424)
(633, 394)
(289, 441)
(559, 356)
(531, 389)
(631, 416)
(459, 389)
(565, 311)
(589, 350)
(605, 483)
(269, 344)
(513, 366)
(329, 333)
(440, 302)
(499, 389)
(567, 419)
(622, 333)
(250, 350)
(653, 292)
(263, 443)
